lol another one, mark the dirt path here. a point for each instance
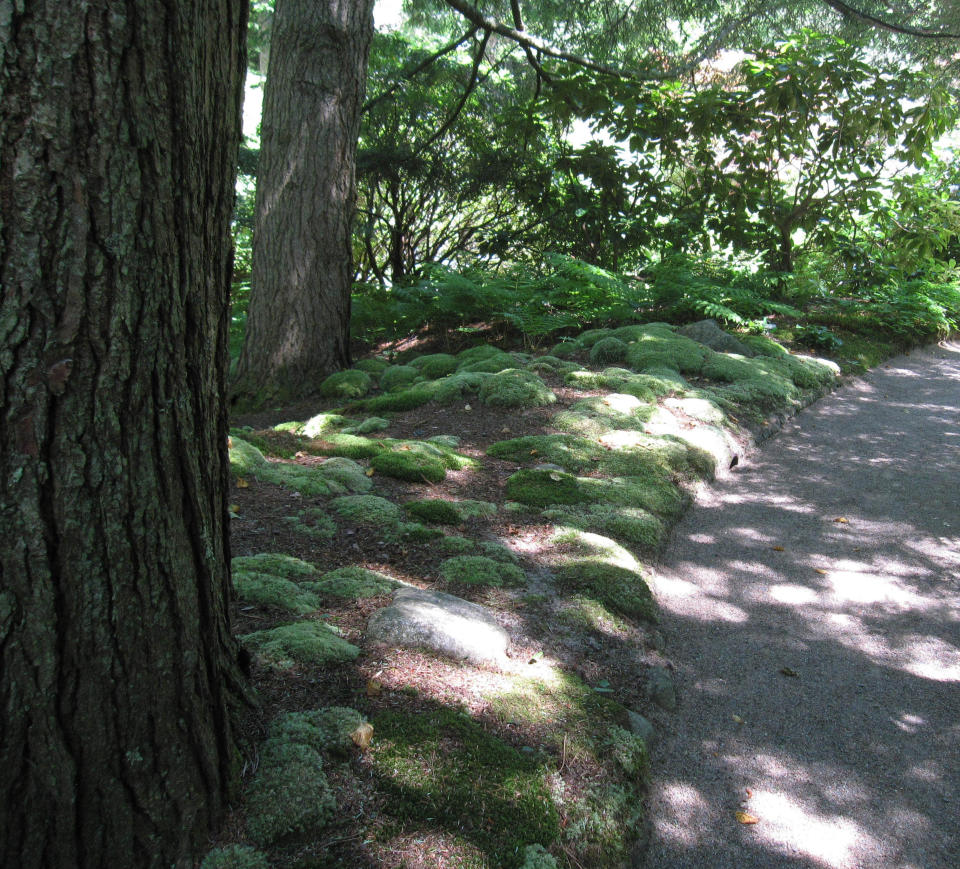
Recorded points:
(818, 661)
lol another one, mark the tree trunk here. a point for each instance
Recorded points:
(119, 125)
(298, 319)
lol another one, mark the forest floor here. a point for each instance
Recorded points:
(477, 765)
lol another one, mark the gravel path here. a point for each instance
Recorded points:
(817, 660)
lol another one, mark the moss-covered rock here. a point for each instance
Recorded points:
(353, 583)
(306, 643)
(398, 376)
(264, 589)
(608, 350)
(515, 388)
(618, 380)
(458, 387)
(632, 526)
(371, 509)
(764, 346)
(347, 473)
(320, 425)
(434, 511)
(247, 462)
(349, 446)
(565, 349)
(453, 544)
(497, 551)
(435, 365)
(480, 570)
(347, 384)
(471, 509)
(669, 351)
(412, 465)
(569, 451)
(235, 857)
(439, 764)
(587, 614)
(245, 459)
(289, 796)
(275, 563)
(538, 488)
(367, 426)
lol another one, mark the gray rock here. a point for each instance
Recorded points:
(640, 726)
(440, 622)
(709, 333)
(549, 466)
(660, 688)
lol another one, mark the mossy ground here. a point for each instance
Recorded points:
(305, 643)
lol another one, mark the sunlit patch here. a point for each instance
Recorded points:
(703, 538)
(910, 723)
(621, 440)
(626, 404)
(858, 586)
(931, 658)
(684, 805)
(792, 595)
(789, 826)
(689, 600)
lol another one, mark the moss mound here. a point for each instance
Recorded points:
(480, 570)
(317, 426)
(566, 349)
(403, 399)
(265, 589)
(314, 522)
(398, 376)
(372, 365)
(367, 426)
(435, 365)
(453, 544)
(346, 384)
(541, 488)
(434, 511)
(371, 509)
(235, 857)
(353, 583)
(618, 380)
(412, 465)
(632, 526)
(349, 446)
(347, 473)
(274, 563)
(570, 451)
(289, 797)
(246, 461)
(471, 509)
(308, 642)
(439, 764)
(457, 386)
(608, 350)
(666, 350)
(330, 730)
(515, 387)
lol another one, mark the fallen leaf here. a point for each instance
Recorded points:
(737, 719)
(369, 472)
(242, 483)
(373, 688)
(533, 452)
(234, 508)
(749, 793)
(843, 520)
(820, 570)
(789, 671)
(746, 818)
(467, 407)
(777, 548)
(362, 735)
(229, 443)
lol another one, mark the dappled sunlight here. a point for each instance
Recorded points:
(685, 804)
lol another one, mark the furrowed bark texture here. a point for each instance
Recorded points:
(299, 314)
(119, 124)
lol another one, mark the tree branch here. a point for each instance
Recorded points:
(904, 29)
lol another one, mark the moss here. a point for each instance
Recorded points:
(758, 396)
(409, 465)
(497, 551)
(307, 481)
(398, 376)
(764, 346)
(608, 350)
(245, 459)
(347, 473)
(515, 388)
(807, 373)
(729, 368)
(566, 349)
(314, 522)
(471, 509)
(592, 336)
(404, 399)
(289, 797)
(235, 857)
(306, 642)
(449, 442)
(542, 488)
(632, 526)
(650, 456)
(588, 614)
(414, 532)
(322, 424)
(570, 451)
(458, 386)
(480, 570)
(435, 449)
(264, 589)
(325, 730)
(275, 563)
(536, 857)
(435, 365)
(346, 384)
(371, 509)
(615, 379)
(662, 350)
(353, 583)
(367, 426)
(434, 511)
(372, 365)
(639, 331)
(439, 764)
(349, 446)
(478, 352)
(455, 545)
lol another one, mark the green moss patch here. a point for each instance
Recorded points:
(397, 377)
(566, 349)
(471, 509)
(353, 583)
(588, 614)
(435, 365)
(329, 730)
(632, 526)
(314, 522)
(235, 857)
(265, 589)
(347, 473)
(367, 426)
(457, 387)
(371, 509)
(402, 399)
(441, 765)
(306, 643)
(289, 798)
(608, 350)
(538, 488)
(372, 365)
(480, 570)
(570, 451)
(346, 384)
(515, 387)
(317, 426)
(275, 563)
(246, 461)
(410, 465)
(349, 446)
(666, 350)
(434, 511)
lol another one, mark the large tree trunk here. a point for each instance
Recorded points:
(298, 319)
(119, 124)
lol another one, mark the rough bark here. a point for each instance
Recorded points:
(299, 312)
(119, 125)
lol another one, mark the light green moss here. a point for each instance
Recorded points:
(515, 388)
(289, 797)
(592, 336)
(588, 614)
(632, 526)
(471, 509)
(764, 346)
(235, 857)
(314, 522)
(401, 400)
(434, 511)
(436, 449)
(414, 532)
(569, 451)
(347, 473)
(536, 857)
(448, 442)
(397, 377)
(497, 551)
(264, 589)
(372, 365)
(542, 488)
(566, 349)
(349, 446)
(346, 384)
(729, 368)
(275, 563)
(353, 583)
(435, 365)
(245, 459)
(457, 387)
(325, 730)
(367, 426)
(480, 570)
(637, 332)
(410, 465)
(371, 509)
(453, 544)
(307, 642)
(660, 350)
(608, 350)
(320, 425)
(615, 379)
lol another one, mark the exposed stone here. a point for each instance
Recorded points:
(442, 623)
(641, 727)
(660, 688)
(707, 332)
